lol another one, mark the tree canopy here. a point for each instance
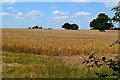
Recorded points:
(36, 27)
(101, 23)
(68, 26)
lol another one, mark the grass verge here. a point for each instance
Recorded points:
(23, 65)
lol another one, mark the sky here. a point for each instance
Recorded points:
(52, 14)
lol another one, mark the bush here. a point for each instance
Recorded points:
(114, 63)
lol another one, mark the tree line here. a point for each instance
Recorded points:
(102, 22)
(38, 27)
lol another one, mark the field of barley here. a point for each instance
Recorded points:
(58, 42)
(68, 46)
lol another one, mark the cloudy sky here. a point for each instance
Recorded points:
(18, 14)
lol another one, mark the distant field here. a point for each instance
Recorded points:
(58, 42)
(59, 53)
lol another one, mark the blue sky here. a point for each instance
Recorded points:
(52, 14)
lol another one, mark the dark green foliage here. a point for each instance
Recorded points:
(40, 27)
(109, 26)
(36, 27)
(49, 28)
(29, 28)
(101, 75)
(103, 58)
(116, 42)
(114, 63)
(116, 18)
(101, 23)
(74, 27)
(68, 26)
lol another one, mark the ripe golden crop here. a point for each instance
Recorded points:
(59, 42)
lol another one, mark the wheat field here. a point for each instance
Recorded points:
(34, 53)
(59, 42)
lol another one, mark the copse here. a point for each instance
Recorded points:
(68, 26)
(101, 23)
(36, 27)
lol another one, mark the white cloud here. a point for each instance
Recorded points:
(53, 7)
(34, 14)
(4, 14)
(59, 13)
(8, 1)
(11, 8)
(111, 4)
(19, 15)
(61, 17)
(82, 14)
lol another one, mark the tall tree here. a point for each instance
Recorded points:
(101, 23)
